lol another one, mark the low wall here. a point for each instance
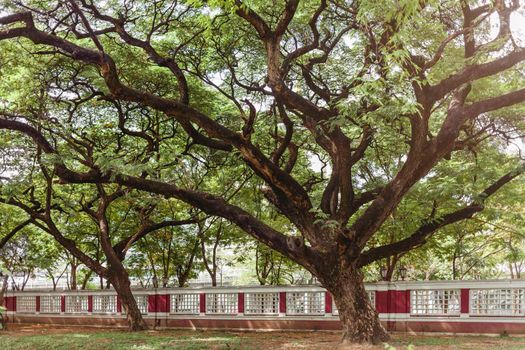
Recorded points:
(488, 307)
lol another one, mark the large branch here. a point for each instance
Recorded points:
(292, 247)
(491, 104)
(272, 42)
(123, 245)
(13, 232)
(224, 138)
(286, 17)
(423, 233)
(47, 225)
(421, 158)
(475, 72)
(253, 18)
(145, 45)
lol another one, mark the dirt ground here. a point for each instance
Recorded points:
(18, 334)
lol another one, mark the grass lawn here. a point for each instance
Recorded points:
(72, 338)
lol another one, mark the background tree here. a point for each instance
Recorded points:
(168, 256)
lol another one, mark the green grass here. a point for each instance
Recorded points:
(122, 341)
(93, 339)
(459, 342)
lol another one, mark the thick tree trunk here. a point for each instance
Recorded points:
(118, 276)
(123, 288)
(359, 318)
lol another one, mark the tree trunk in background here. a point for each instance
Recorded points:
(73, 277)
(25, 280)
(3, 289)
(359, 318)
(183, 271)
(85, 281)
(210, 263)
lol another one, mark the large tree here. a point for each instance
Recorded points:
(339, 108)
(98, 225)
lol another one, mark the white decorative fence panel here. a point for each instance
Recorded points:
(435, 302)
(372, 297)
(105, 304)
(50, 304)
(184, 304)
(222, 303)
(76, 304)
(26, 304)
(142, 303)
(497, 302)
(261, 303)
(305, 303)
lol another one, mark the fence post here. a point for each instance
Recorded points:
(152, 303)
(202, 304)
(240, 303)
(327, 303)
(282, 303)
(465, 302)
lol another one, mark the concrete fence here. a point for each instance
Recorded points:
(495, 307)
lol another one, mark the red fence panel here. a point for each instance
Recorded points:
(152, 303)
(399, 301)
(240, 302)
(10, 303)
(282, 302)
(464, 299)
(163, 303)
(202, 303)
(382, 301)
(328, 303)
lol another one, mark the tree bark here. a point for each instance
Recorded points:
(118, 276)
(3, 289)
(73, 277)
(85, 280)
(120, 281)
(359, 318)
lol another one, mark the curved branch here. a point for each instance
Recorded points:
(13, 232)
(277, 178)
(122, 247)
(424, 232)
(292, 247)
